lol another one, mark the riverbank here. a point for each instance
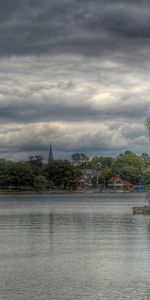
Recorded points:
(56, 191)
(12, 192)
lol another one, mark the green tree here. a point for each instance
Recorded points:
(5, 171)
(36, 162)
(128, 166)
(146, 176)
(40, 183)
(21, 176)
(104, 161)
(104, 176)
(61, 173)
(106, 173)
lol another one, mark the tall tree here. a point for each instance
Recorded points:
(36, 162)
(61, 173)
(106, 162)
(20, 176)
(129, 166)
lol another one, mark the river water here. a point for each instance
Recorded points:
(69, 247)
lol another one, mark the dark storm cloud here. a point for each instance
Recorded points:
(52, 112)
(71, 26)
(74, 72)
(65, 101)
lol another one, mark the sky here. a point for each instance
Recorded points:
(74, 73)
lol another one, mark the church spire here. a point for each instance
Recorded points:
(50, 158)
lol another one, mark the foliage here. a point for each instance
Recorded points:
(36, 162)
(146, 176)
(40, 183)
(106, 173)
(104, 176)
(16, 175)
(21, 176)
(128, 166)
(104, 161)
(61, 174)
(80, 158)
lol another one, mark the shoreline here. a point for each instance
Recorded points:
(66, 192)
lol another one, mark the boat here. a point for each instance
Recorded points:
(144, 210)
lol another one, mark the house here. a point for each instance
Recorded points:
(127, 185)
(88, 174)
(117, 183)
(79, 183)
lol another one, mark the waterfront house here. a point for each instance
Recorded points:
(79, 183)
(117, 183)
(88, 174)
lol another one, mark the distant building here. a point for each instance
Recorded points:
(127, 185)
(117, 183)
(79, 183)
(50, 157)
(88, 174)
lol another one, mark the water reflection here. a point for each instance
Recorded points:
(72, 250)
(60, 232)
(148, 227)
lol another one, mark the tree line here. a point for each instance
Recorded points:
(36, 175)
(127, 165)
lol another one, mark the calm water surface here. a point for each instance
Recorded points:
(70, 247)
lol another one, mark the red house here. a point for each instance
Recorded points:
(79, 183)
(117, 183)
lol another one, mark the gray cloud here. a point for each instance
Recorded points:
(75, 73)
(83, 27)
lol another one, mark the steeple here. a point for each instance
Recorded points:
(50, 158)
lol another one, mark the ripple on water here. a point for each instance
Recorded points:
(69, 247)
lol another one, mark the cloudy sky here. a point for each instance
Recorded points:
(75, 73)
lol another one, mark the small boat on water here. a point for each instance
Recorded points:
(144, 210)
